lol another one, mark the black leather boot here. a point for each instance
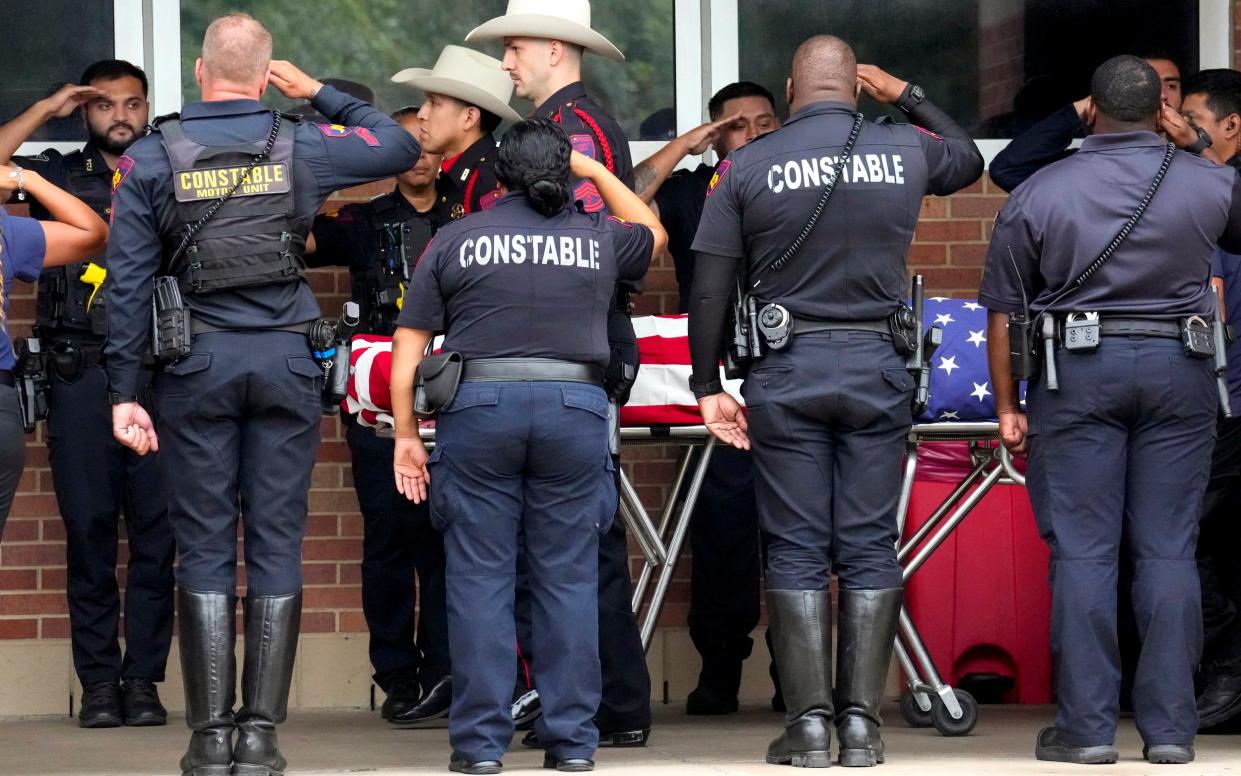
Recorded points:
(272, 624)
(206, 632)
(800, 623)
(867, 631)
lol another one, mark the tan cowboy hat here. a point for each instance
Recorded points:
(567, 20)
(468, 76)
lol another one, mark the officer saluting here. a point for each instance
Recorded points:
(522, 449)
(544, 42)
(218, 203)
(1105, 258)
(380, 241)
(829, 412)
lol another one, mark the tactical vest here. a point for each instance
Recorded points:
(398, 244)
(250, 241)
(64, 302)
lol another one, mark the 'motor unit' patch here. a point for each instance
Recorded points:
(269, 178)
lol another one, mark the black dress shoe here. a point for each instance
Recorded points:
(1220, 699)
(457, 765)
(434, 705)
(1049, 747)
(708, 701)
(140, 703)
(403, 694)
(101, 706)
(570, 765)
(622, 739)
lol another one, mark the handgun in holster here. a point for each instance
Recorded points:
(743, 344)
(1220, 335)
(32, 381)
(171, 332)
(618, 390)
(332, 345)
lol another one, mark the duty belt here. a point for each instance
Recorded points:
(480, 370)
(809, 326)
(1140, 327)
(205, 328)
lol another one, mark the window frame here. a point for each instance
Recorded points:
(706, 37)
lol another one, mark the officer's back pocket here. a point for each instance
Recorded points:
(474, 395)
(304, 366)
(900, 379)
(591, 399)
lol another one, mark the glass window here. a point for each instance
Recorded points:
(367, 41)
(996, 66)
(40, 57)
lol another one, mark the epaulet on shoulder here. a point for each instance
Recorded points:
(293, 117)
(161, 119)
(885, 120)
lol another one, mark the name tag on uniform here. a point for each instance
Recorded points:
(196, 185)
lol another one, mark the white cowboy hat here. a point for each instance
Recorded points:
(567, 20)
(467, 75)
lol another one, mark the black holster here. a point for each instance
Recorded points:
(32, 381)
(435, 382)
(1024, 355)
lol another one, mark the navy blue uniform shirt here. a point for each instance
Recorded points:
(511, 282)
(681, 200)
(58, 169)
(363, 145)
(1046, 142)
(468, 184)
(852, 268)
(22, 250)
(1059, 221)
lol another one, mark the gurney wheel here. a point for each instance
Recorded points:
(946, 725)
(914, 716)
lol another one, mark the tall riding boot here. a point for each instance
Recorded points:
(206, 633)
(271, 644)
(800, 622)
(867, 631)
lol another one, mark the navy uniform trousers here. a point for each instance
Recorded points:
(828, 417)
(96, 480)
(398, 544)
(1123, 447)
(238, 428)
(1217, 547)
(528, 458)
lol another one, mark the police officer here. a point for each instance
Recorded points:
(1122, 445)
(523, 448)
(218, 204)
(724, 537)
(828, 413)
(73, 232)
(380, 241)
(544, 41)
(94, 476)
(467, 98)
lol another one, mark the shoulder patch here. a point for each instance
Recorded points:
(588, 195)
(490, 199)
(720, 172)
(583, 144)
(123, 168)
(335, 130)
(927, 132)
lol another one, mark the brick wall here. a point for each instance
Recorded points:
(950, 246)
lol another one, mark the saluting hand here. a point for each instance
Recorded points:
(69, 98)
(724, 417)
(699, 139)
(291, 82)
(880, 86)
(1013, 430)
(409, 467)
(132, 427)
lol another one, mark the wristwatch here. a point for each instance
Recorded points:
(115, 398)
(912, 97)
(1202, 143)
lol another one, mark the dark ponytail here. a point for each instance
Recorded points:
(534, 160)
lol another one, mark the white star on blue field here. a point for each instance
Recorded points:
(961, 388)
